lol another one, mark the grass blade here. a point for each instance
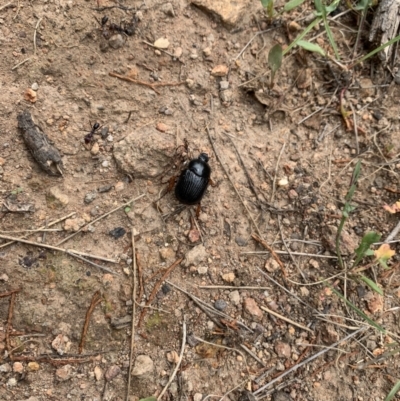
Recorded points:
(359, 311)
(290, 5)
(371, 284)
(366, 242)
(311, 47)
(302, 34)
(393, 391)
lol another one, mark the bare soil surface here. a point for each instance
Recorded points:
(281, 160)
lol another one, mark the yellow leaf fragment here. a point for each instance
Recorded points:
(393, 208)
(384, 252)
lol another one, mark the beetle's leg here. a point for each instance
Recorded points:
(198, 210)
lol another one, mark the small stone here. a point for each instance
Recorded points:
(105, 164)
(173, 357)
(33, 366)
(110, 138)
(167, 253)
(220, 70)
(229, 277)
(95, 149)
(64, 373)
(5, 368)
(18, 367)
(226, 96)
(35, 86)
(282, 349)
(4, 277)
(283, 182)
(74, 224)
(12, 382)
(168, 9)
(282, 396)
(116, 41)
(202, 270)
(161, 43)
(112, 372)
(220, 304)
(292, 194)
(271, 265)
(104, 132)
(104, 188)
(56, 199)
(143, 366)
(30, 95)
(157, 52)
(198, 397)
(240, 241)
(98, 373)
(2, 161)
(162, 127)
(224, 85)
(61, 344)
(107, 279)
(178, 52)
(195, 256)
(119, 186)
(207, 51)
(251, 307)
(234, 296)
(90, 197)
(117, 232)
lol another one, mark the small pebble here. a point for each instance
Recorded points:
(90, 197)
(110, 138)
(202, 269)
(224, 85)
(104, 132)
(117, 232)
(220, 304)
(35, 86)
(104, 188)
(116, 41)
(283, 182)
(105, 163)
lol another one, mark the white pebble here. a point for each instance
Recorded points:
(110, 138)
(283, 182)
(105, 163)
(35, 86)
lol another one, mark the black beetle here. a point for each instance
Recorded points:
(193, 181)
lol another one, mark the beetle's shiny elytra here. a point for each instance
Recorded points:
(193, 181)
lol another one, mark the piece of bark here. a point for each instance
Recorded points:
(385, 26)
(46, 155)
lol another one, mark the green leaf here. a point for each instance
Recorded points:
(275, 58)
(127, 209)
(301, 35)
(393, 391)
(366, 242)
(371, 284)
(360, 312)
(290, 5)
(311, 47)
(269, 7)
(152, 398)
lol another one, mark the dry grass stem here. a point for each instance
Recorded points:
(264, 308)
(172, 377)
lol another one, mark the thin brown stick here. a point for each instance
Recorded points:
(96, 299)
(140, 274)
(134, 272)
(99, 218)
(40, 229)
(71, 252)
(172, 377)
(156, 288)
(273, 253)
(231, 287)
(46, 358)
(8, 293)
(264, 308)
(152, 85)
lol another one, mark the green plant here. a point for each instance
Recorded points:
(275, 61)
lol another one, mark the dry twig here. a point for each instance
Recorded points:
(156, 288)
(134, 271)
(273, 253)
(96, 299)
(101, 217)
(172, 377)
(152, 85)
